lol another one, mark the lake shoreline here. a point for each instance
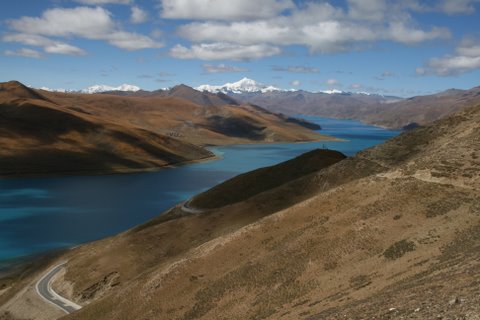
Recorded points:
(157, 168)
(47, 212)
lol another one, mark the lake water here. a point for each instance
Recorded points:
(40, 214)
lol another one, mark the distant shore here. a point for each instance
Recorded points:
(150, 169)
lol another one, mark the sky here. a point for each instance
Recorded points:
(395, 47)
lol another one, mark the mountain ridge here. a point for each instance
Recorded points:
(66, 133)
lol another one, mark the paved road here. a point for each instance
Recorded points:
(188, 209)
(44, 290)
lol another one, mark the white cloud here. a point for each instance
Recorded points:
(63, 48)
(296, 69)
(132, 41)
(138, 15)
(24, 52)
(81, 21)
(356, 86)
(28, 39)
(465, 59)
(224, 51)
(223, 10)
(102, 2)
(221, 68)
(420, 71)
(446, 6)
(319, 26)
(85, 22)
(332, 82)
(458, 6)
(374, 10)
(49, 46)
(454, 65)
(400, 32)
(295, 83)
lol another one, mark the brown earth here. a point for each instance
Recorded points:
(392, 233)
(54, 133)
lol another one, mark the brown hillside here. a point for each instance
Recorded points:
(184, 92)
(39, 136)
(394, 222)
(197, 97)
(54, 133)
(184, 120)
(15, 90)
(391, 233)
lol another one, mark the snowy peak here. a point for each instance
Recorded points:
(333, 91)
(247, 85)
(104, 88)
(96, 89)
(241, 86)
(54, 90)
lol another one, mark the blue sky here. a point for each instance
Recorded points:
(402, 47)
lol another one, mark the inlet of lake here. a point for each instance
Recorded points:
(41, 214)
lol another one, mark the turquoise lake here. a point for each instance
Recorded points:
(41, 214)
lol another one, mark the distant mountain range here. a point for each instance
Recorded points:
(246, 85)
(98, 88)
(242, 86)
(386, 111)
(380, 110)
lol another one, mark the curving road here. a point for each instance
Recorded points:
(188, 209)
(44, 290)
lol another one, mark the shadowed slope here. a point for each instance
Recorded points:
(252, 183)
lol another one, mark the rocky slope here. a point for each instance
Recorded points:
(45, 132)
(391, 233)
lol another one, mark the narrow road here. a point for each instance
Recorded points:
(188, 209)
(44, 290)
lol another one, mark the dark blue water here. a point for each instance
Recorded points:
(41, 214)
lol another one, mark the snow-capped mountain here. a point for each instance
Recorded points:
(332, 91)
(241, 86)
(247, 85)
(96, 89)
(54, 90)
(104, 88)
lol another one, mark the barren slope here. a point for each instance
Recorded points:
(53, 133)
(388, 234)
(391, 233)
(39, 136)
